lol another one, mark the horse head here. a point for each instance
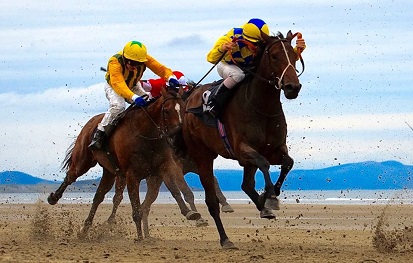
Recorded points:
(172, 110)
(278, 63)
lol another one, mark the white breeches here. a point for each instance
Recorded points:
(231, 74)
(116, 106)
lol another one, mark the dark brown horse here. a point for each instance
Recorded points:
(255, 127)
(138, 149)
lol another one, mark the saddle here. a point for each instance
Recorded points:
(200, 110)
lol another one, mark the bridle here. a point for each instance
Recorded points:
(273, 81)
(163, 129)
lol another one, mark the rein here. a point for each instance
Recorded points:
(162, 132)
(272, 82)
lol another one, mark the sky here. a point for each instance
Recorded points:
(356, 103)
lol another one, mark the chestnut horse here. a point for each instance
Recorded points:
(137, 150)
(182, 167)
(255, 128)
(186, 166)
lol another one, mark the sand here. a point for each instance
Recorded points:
(301, 233)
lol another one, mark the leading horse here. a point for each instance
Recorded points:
(138, 149)
(255, 128)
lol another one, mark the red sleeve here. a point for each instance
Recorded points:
(157, 85)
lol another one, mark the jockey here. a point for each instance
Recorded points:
(124, 71)
(242, 55)
(153, 86)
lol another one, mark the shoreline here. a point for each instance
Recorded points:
(302, 232)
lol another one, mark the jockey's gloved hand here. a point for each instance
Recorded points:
(139, 101)
(173, 82)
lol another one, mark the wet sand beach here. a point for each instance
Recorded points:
(301, 233)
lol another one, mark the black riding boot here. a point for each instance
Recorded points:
(97, 140)
(217, 101)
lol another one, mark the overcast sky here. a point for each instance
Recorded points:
(355, 104)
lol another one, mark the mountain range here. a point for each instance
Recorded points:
(362, 175)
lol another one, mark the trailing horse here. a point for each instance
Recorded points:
(255, 129)
(138, 149)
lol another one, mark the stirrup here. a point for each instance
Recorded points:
(95, 144)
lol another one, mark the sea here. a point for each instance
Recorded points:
(326, 197)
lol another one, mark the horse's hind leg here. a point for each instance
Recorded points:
(190, 199)
(53, 198)
(226, 208)
(120, 185)
(80, 160)
(170, 183)
(104, 187)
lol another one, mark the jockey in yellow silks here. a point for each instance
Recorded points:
(238, 51)
(124, 71)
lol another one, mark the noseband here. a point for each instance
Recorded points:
(273, 81)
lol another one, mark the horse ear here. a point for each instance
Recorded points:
(266, 38)
(290, 36)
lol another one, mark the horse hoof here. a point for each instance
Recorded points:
(192, 215)
(272, 203)
(201, 222)
(267, 213)
(81, 234)
(51, 199)
(228, 245)
(227, 209)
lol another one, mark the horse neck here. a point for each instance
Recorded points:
(146, 120)
(261, 96)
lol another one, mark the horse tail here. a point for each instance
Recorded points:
(68, 158)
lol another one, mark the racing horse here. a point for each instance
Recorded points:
(186, 166)
(138, 149)
(255, 128)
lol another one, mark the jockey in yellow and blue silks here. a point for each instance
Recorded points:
(124, 71)
(239, 52)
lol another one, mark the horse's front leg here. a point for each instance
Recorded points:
(133, 183)
(251, 160)
(286, 166)
(153, 184)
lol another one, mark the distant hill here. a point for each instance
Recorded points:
(16, 177)
(363, 175)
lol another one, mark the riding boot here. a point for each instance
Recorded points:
(217, 101)
(97, 140)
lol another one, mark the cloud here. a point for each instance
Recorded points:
(356, 94)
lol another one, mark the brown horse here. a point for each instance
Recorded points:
(185, 166)
(255, 127)
(138, 149)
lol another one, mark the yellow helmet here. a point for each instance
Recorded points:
(136, 51)
(251, 31)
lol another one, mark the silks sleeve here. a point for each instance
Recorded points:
(117, 80)
(158, 68)
(216, 52)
